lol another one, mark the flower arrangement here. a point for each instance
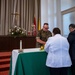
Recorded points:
(17, 31)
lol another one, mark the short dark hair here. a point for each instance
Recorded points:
(45, 23)
(72, 25)
(56, 31)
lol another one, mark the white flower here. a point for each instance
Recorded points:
(12, 33)
(17, 31)
(32, 26)
(15, 26)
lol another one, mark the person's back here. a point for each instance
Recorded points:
(58, 58)
(58, 51)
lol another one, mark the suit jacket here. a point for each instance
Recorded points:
(71, 39)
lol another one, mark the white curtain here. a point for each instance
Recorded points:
(24, 10)
(51, 13)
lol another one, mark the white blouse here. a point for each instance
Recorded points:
(57, 48)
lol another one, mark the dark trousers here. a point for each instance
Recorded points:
(59, 71)
(73, 67)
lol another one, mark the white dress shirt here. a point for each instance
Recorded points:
(57, 48)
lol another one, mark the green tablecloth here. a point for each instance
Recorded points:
(32, 63)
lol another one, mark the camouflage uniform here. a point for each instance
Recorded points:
(43, 35)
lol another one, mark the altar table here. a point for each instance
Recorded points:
(30, 62)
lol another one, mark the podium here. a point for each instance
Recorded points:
(8, 43)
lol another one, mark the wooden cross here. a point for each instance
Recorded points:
(15, 18)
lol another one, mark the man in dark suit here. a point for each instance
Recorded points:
(71, 39)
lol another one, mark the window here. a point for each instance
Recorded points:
(67, 20)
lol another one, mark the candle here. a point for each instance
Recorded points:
(20, 44)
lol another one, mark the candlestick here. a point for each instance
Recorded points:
(20, 46)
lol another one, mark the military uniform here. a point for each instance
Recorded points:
(43, 35)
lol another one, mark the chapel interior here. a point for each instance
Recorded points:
(29, 16)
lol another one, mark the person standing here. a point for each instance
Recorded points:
(71, 40)
(43, 35)
(58, 58)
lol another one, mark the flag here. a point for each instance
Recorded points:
(39, 26)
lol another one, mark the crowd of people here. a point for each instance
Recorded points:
(61, 50)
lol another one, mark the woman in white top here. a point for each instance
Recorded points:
(58, 58)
